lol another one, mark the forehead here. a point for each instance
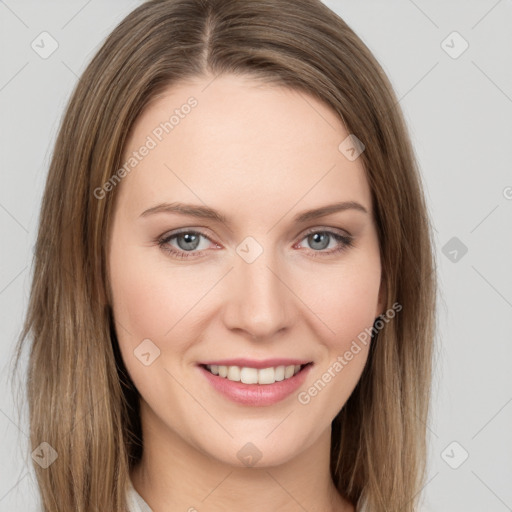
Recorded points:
(236, 143)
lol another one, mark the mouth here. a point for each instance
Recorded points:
(251, 375)
(256, 383)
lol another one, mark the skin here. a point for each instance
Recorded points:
(259, 154)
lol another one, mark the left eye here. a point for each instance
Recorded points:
(319, 240)
(189, 241)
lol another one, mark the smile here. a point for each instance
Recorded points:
(255, 387)
(248, 375)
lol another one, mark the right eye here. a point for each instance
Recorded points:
(187, 240)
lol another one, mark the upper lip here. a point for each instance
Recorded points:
(252, 363)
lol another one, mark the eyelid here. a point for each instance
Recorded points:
(180, 231)
(316, 229)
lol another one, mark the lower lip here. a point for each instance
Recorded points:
(256, 394)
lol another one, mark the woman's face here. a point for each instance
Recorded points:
(260, 284)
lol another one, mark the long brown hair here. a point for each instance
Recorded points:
(81, 400)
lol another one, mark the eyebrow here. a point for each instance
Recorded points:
(205, 212)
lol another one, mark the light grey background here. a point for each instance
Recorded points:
(458, 108)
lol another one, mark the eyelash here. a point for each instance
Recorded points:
(346, 242)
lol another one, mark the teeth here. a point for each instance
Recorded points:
(234, 373)
(279, 373)
(254, 375)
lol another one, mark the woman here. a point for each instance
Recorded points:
(202, 346)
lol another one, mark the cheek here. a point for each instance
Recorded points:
(346, 302)
(139, 303)
(148, 299)
(345, 299)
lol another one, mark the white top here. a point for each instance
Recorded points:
(135, 501)
(137, 504)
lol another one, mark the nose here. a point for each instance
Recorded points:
(259, 300)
